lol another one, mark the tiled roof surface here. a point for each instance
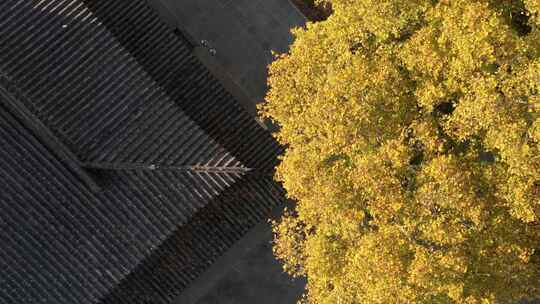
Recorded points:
(182, 170)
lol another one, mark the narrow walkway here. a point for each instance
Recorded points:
(243, 33)
(248, 273)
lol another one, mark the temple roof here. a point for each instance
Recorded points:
(127, 168)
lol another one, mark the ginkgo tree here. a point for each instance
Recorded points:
(413, 152)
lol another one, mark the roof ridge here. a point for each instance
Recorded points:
(159, 167)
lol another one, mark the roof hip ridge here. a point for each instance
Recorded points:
(114, 166)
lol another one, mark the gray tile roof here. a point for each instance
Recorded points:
(102, 92)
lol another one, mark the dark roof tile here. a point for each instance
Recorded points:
(183, 171)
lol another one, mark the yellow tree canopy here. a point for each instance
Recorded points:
(413, 137)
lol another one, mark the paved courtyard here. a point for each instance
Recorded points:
(242, 32)
(248, 273)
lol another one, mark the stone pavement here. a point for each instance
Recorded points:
(256, 278)
(242, 32)
(248, 273)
